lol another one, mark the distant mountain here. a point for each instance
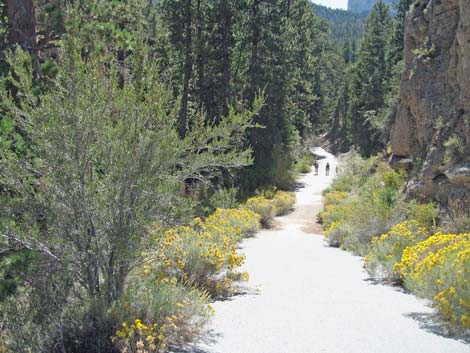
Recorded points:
(345, 25)
(364, 5)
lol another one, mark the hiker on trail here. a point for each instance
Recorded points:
(316, 167)
(327, 168)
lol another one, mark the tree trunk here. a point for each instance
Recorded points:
(254, 49)
(22, 23)
(227, 44)
(188, 70)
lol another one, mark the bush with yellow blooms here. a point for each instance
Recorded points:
(386, 250)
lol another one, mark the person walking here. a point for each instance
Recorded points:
(316, 167)
(327, 168)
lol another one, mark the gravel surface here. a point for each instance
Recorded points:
(304, 297)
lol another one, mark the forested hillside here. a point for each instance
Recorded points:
(346, 26)
(364, 109)
(359, 6)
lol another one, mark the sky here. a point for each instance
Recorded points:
(337, 4)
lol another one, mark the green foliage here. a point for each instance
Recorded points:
(373, 207)
(271, 203)
(264, 207)
(397, 41)
(224, 198)
(371, 218)
(169, 313)
(387, 250)
(346, 26)
(370, 81)
(437, 268)
(133, 113)
(304, 163)
(108, 163)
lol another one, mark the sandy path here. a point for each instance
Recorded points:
(304, 297)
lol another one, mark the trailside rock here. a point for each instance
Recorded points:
(459, 174)
(432, 123)
(397, 162)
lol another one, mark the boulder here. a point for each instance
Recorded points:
(434, 104)
(459, 174)
(400, 162)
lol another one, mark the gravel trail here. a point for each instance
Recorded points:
(304, 297)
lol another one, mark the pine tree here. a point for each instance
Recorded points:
(397, 41)
(347, 52)
(370, 80)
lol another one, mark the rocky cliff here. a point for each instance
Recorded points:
(431, 133)
(363, 5)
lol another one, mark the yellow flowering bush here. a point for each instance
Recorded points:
(283, 202)
(270, 204)
(264, 207)
(154, 314)
(386, 250)
(439, 268)
(334, 197)
(334, 213)
(425, 250)
(205, 253)
(335, 233)
(138, 337)
(245, 221)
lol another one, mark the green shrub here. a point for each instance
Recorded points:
(155, 314)
(224, 198)
(267, 192)
(438, 268)
(245, 222)
(386, 251)
(363, 205)
(425, 215)
(336, 234)
(264, 207)
(206, 252)
(283, 202)
(304, 163)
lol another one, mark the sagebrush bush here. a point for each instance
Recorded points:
(165, 301)
(206, 252)
(267, 192)
(156, 313)
(336, 234)
(438, 268)
(363, 205)
(334, 197)
(387, 250)
(275, 203)
(304, 163)
(453, 301)
(264, 207)
(245, 222)
(424, 214)
(421, 264)
(283, 202)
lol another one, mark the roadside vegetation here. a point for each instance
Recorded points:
(403, 241)
(134, 136)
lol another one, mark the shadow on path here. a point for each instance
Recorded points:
(431, 322)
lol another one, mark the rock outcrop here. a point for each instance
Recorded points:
(432, 125)
(363, 5)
